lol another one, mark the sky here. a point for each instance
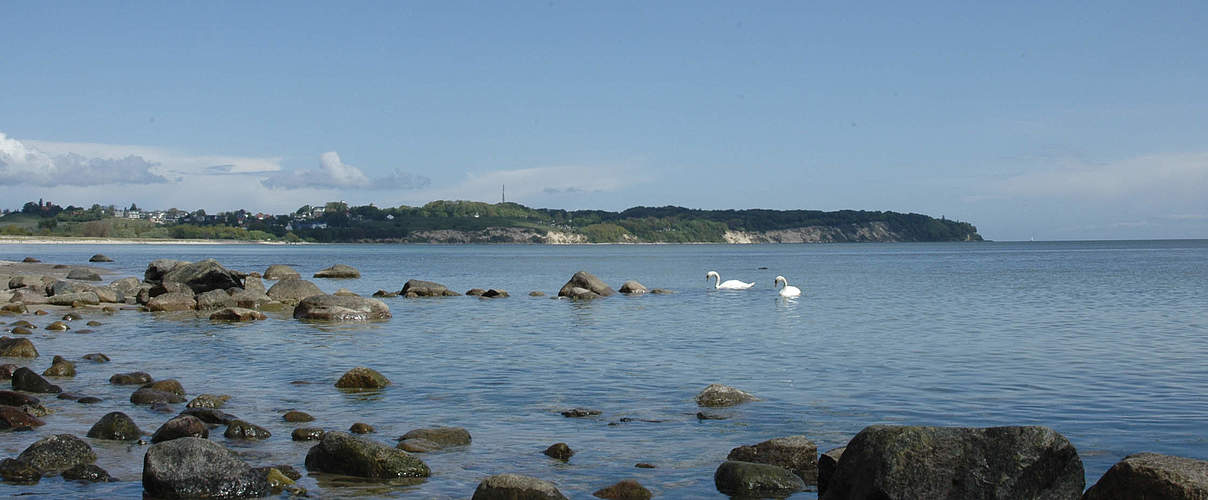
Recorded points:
(1045, 120)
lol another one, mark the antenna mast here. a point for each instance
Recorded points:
(504, 193)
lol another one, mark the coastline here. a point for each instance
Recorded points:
(59, 240)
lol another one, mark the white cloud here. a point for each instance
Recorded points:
(335, 174)
(170, 161)
(28, 165)
(1180, 175)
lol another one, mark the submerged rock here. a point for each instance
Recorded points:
(12, 417)
(624, 490)
(87, 472)
(132, 378)
(237, 314)
(60, 367)
(796, 453)
(1150, 475)
(342, 453)
(340, 271)
(632, 287)
(307, 434)
(957, 462)
(434, 438)
(83, 275)
(199, 468)
(341, 308)
(748, 479)
(297, 416)
(148, 396)
(717, 396)
(210, 415)
(361, 428)
(115, 426)
(209, 401)
(240, 429)
(559, 451)
(421, 288)
(586, 281)
(516, 487)
(362, 378)
(96, 357)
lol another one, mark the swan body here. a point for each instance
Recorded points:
(787, 290)
(728, 284)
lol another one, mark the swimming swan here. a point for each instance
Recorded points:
(728, 284)
(787, 291)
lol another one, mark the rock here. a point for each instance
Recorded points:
(280, 272)
(796, 453)
(292, 291)
(173, 301)
(16, 471)
(169, 385)
(536, 293)
(87, 472)
(661, 291)
(60, 367)
(827, 463)
(87, 400)
(93, 323)
(181, 426)
(383, 293)
(288, 471)
(1150, 475)
(58, 326)
(204, 276)
(29, 296)
(495, 293)
(955, 462)
(14, 308)
(717, 396)
(170, 287)
(209, 401)
(421, 288)
(96, 357)
(244, 430)
(21, 330)
(297, 416)
(146, 396)
(210, 415)
(30, 260)
(158, 268)
(17, 348)
(83, 275)
(57, 453)
(585, 280)
(441, 437)
(339, 271)
(624, 490)
(13, 398)
(34, 282)
(475, 292)
(277, 481)
(199, 468)
(559, 451)
(100, 257)
(23, 323)
(361, 428)
(418, 445)
(26, 380)
(115, 426)
(250, 299)
(128, 287)
(362, 378)
(307, 434)
(580, 413)
(69, 299)
(237, 314)
(12, 417)
(214, 299)
(748, 479)
(578, 293)
(344, 292)
(341, 308)
(254, 285)
(342, 453)
(516, 487)
(633, 287)
(132, 378)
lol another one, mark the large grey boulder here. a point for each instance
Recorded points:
(54, 454)
(753, 480)
(292, 291)
(199, 468)
(281, 272)
(343, 453)
(83, 275)
(587, 281)
(341, 308)
(632, 287)
(204, 276)
(421, 288)
(957, 462)
(255, 285)
(158, 268)
(126, 286)
(67, 299)
(1150, 475)
(214, 299)
(516, 487)
(174, 301)
(796, 453)
(339, 271)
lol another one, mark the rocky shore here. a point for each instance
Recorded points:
(180, 460)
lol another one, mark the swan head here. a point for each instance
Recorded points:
(712, 274)
(779, 280)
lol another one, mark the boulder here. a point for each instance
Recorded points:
(169, 385)
(421, 288)
(100, 257)
(60, 367)
(115, 426)
(13, 398)
(132, 378)
(588, 281)
(204, 276)
(495, 293)
(109, 295)
(21, 330)
(181, 426)
(362, 378)
(475, 292)
(199, 468)
(126, 286)
(26, 380)
(718, 396)
(536, 293)
(96, 357)
(214, 299)
(383, 293)
(30, 296)
(796, 453)
(147, 396)
(237, 314)
(57, 453)
(15, 308)
(281, 272)
(247, 431)
(307, 434)
(173, 301)
(624, 490)
(297, 416)
(661, 291)
(340, 308)
(361, 428)
(158, 268)
(67, 299)
(18, 472)
(87, 472)
(343, 453)
(827, 462)
(12, 417)
(957, 462)
(516, 487)
(578, 293)
(632, 287)
(31, 282)
(170, 287)
(292, 291)
(249, 299)
(209, 401)
(210, 415)
(344, 292)
(1150, 475)
(559, 451)
(83, 275)
(58, 326)
(254, 284)
(17, 348)
(749, 479)
(339, 271)
(30, 260)
(440, 437)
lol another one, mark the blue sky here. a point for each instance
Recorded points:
(1043, 119)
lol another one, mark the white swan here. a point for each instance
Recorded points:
(787, 291)
(728, 284)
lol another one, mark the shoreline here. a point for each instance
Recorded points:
(56, 240)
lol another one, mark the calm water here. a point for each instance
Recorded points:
(1103, 341)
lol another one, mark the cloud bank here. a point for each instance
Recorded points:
(21, 164)
(1180, 175)
(335, 174)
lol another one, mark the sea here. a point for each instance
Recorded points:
(1103, 341)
